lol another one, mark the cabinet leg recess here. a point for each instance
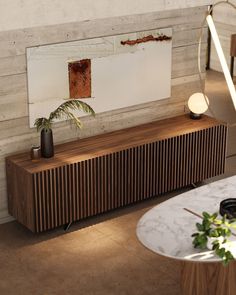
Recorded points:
(67, 226)
(193, 185)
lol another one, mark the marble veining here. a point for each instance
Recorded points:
(166, 229)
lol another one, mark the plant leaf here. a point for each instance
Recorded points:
(206, 215)
(212, 227)
(42, 123)
(65, 110)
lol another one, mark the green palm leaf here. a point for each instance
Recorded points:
(42, 123)
(65, 110)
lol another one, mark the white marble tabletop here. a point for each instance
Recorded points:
(166, 229)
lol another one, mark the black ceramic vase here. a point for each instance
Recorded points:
(47, 148)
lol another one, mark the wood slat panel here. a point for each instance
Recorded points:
(85, 188)
(114, 141)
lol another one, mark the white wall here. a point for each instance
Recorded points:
(18, 14)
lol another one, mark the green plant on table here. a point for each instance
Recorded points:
(65, 110)
(218, 230)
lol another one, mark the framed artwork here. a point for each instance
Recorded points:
(108, 73)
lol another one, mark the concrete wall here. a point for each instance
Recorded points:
(225, 21)
(19, 14)
(24, 24)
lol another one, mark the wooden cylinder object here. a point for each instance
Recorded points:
(233, 45)
(208, 278)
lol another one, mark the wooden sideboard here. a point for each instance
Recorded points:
(93, 175)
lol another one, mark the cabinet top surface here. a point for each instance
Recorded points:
(107, 143)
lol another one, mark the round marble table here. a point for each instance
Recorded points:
(166, 230)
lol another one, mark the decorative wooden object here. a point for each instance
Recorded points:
(232, 54)
(93, 175)
(208, 278)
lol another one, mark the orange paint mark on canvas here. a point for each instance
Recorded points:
(80, 78)
(146, 39)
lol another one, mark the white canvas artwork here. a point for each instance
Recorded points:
(121, 75)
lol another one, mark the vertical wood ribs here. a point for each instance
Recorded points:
(97, 185)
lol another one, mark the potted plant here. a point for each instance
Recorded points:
(213, 233)
(65, 110)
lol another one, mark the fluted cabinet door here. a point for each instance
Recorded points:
(77, 189)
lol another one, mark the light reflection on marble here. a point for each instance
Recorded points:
(166, 229)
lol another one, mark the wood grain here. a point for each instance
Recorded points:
(104, 172)
(233, 45)
(100, 145)
(208, 278)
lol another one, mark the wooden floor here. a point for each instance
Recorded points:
(100, 255)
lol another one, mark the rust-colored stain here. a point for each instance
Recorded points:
(146, 39)
(80, 78)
